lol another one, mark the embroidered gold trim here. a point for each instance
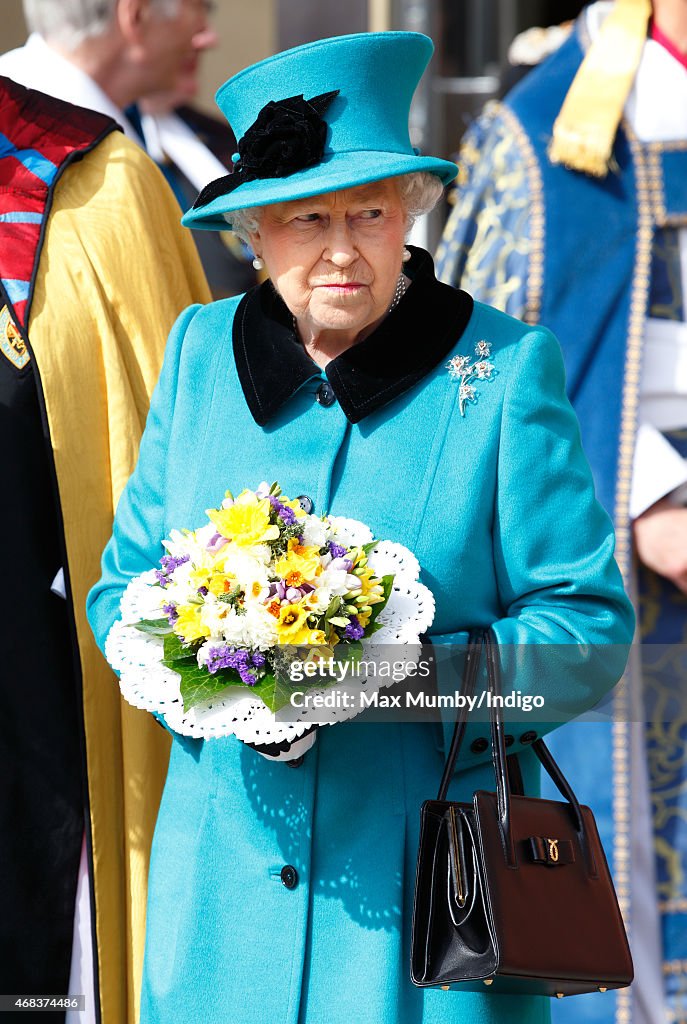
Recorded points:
(535, 271)
(653, 151)
(675, 967)
(11, 342)
(677, 906)
(628, 426)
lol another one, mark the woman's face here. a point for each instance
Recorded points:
(335, 259)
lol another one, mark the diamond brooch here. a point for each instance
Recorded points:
(466, 370)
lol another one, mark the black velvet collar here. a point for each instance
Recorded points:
(272, 364)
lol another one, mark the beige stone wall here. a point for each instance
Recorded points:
(247, 33)
(13, 32)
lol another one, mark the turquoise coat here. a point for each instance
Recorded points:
(499, 508)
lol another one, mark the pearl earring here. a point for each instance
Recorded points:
(407, 254)
(258, 262)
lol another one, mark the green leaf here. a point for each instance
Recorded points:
(333, 608)
(276, 691)
(349, 652)
(372, 627)
(155, 627)
(197, 684)
(387, 587)
(337, 620)
(176, 650)
(367, 548)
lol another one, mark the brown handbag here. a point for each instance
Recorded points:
(513, 892)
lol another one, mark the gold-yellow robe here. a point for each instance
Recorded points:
(115, 270)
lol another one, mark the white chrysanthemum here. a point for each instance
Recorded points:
(214, 616)
(260, 627)
(245, 567)
(315, 532)
(231, 626)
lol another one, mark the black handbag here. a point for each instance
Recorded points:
(513, 892)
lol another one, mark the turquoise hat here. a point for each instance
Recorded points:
(322, 117)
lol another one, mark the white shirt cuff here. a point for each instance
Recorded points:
(657, 469)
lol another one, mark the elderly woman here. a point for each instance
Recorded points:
(284, 892)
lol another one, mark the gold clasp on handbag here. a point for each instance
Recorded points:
(461, 897)
(545, 850)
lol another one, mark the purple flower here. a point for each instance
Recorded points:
(286, 514)
(353, 631)
(161, 578)
(337, 550)
(170, 610)
(203, 591)
(170, 562)
(241, 661)
(341, 563)
(216, 542)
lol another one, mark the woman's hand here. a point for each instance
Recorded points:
(661, 540)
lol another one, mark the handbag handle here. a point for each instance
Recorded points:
(485, 639)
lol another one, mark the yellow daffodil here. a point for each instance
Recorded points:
(292, 618)
(246, 522)
(307, 637)
(293, 628)
(189, 626)
(221, 583)
(200, 577)
(299, 565)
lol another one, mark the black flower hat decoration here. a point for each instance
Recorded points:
(287, 136)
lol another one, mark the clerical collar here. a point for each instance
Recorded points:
(410, 342)
(662, 39)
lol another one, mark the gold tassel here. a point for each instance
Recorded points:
(585, 129)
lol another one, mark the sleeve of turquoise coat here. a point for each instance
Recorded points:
(488, 239)
(136, 542)
(567, 623)
(553, 542)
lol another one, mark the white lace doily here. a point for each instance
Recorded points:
(148, 684)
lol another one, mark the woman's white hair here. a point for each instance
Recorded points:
(70, 22)
(420, 193)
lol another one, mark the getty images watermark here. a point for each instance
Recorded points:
(388, 685)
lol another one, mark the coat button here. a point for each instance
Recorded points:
(297, 762)
(289, 876)
(479, 745)
(306, 503)
(528, 737)
(325, 394)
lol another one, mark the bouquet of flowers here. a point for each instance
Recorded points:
(234, 602)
